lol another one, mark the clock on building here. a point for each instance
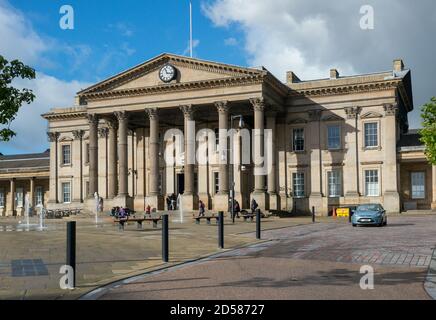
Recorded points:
(168, 73)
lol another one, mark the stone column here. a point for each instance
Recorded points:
(112, 161)
(351, 168)
(32, 195)
(139, 202)
(313, 135)
(54, 164)
(154, 197)
(103, 165)
(78, 164)
(122, 154)
(93, 155)
(221, 199)
(12, 211)
(259, 193)
(433, 204)
(271, 117)
(391, 196)
(190, 199)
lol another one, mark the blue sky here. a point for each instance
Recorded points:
(308, 37)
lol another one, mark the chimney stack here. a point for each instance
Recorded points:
(334, 74)
(398, 65)
(291, 77)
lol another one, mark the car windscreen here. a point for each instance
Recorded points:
(369, 207)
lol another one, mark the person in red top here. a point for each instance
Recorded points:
(148, 210)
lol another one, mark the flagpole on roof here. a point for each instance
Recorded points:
(190, 28)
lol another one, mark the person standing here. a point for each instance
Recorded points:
(201, 207)
(254, 206)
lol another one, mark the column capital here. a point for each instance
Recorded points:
(112, 124)
(53, 136)
(222, 106)
(78, 134)
(188, 111)
(93, 119)
(153, 113)
(121, 115)
(352, 112)
(390, 109)
(314, 115)
(103, 132)
(258, 104)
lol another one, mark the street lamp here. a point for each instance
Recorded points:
(232, 182)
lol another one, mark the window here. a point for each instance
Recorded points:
(298, 184)
(371, 135)
(216, 179)
(2, 198)
(334, 137)
(334, 183)
(39, 197)
(87, 153)
(372, 183)
(298, 139)
(66, 192)
(217, 139)
(418, 185)
(19, 197)
(66, 154)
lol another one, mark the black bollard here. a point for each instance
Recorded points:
(313, 214)
(165, 245)
(221, 230)
(258, 221)
(71, 248)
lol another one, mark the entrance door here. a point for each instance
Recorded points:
(180, 183)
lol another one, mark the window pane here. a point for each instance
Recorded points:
(418, 185)
(298, 184)
(2, 198)
(298, 141)
(19, 194)
(66, 154)
(217, 182)
(66, 190)
(371, 135)
(39, 196)
(334, 184)
(372, 183)
(334, 137)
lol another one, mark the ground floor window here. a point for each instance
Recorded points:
(334, 183)
(66, 192)
(39, 201)
(418, 185)
(298, 184)
(19, 197)
(216, 179)
(372, 183)
(2, 198)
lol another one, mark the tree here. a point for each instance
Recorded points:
(11, 99)
(428, 133)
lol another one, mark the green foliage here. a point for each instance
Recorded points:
(428, 133)
(11, 99)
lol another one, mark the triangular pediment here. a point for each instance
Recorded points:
(332, 117)
(371, 114)
(189, 70)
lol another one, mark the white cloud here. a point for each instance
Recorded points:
(195, 44)
(26, 44)
(231, 42)
(310, 37)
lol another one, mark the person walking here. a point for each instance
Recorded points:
(254, 206)
(237, 209)
(201, 207)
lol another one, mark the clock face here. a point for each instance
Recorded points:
(167, 73)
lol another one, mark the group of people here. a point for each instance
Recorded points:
(236, 208)
(120, 212)
(171, 202)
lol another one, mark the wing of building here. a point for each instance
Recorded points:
(335, 141)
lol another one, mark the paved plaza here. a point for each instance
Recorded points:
(320, 261)
(295, 260)
(30, 260)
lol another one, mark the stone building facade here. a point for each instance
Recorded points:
(334, 140)
(23, 176)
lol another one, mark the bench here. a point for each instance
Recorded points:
(138, 221)
(249, 216)
(207, 218)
